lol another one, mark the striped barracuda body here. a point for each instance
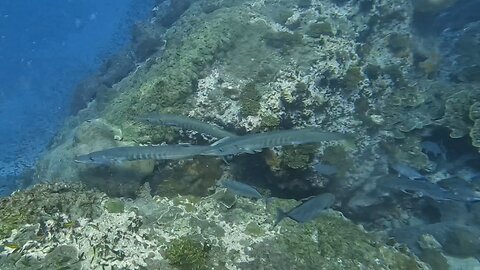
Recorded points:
(251, 143)
(184, 122)
(131, 153)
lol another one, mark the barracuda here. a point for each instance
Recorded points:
(130, 153)
(184, 122)
(252, 143)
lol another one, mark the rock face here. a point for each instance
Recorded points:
(118, 179)
(91, 231)
(355, 67)
(253, 66)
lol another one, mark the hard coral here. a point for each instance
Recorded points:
(458, 112)
(188, 254)
(283, 40)
(249, 100)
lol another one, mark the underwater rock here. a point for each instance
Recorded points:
(194, 233)
(147, 40)
(193, 44)
(96, 86)
(119, 179)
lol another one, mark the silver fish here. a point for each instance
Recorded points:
(241, 189)
(308, 210)
(130, 153)
(430, 190)
(407, 171)
(255, 142)
(184, 122)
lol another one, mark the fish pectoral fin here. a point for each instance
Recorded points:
(280, 216)
(220, 141)
(252, 151)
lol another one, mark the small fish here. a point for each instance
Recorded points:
(325, 169)
(407, 171)
(308, 210)
(241, 189)
(131, 153)
(184, 122)
(428, 189)
(252, 143)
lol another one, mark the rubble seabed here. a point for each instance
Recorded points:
(184, 232)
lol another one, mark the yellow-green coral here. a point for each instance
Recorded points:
(298, 157)
(319, 29)
(115, 206)
(475, 134)
(283, 40)
(186, 253)
(459, 107)
(249, 100)
(352, 77)
(270, 121)
(254, 229)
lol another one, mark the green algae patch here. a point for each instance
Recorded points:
(352, 78)
(254, 229)
(283, 40)
(319, 29)
(298, 157)
(187, 253)
(270, 121)
(249, 100)
(114, 206)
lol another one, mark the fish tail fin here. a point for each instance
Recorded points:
(280, 216)
(267, 201)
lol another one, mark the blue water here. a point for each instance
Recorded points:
(46, 48)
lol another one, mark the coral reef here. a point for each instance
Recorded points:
(186, 253)
(356, 67)
(64, 203)
(182, 233)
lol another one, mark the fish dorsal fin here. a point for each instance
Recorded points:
(220, 141)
